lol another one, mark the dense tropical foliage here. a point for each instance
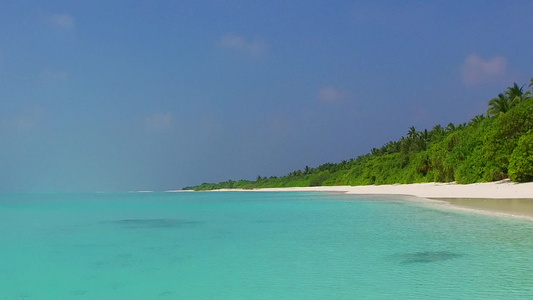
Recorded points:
(488, 148)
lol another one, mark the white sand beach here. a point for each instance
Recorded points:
(502, 198)
(504, 189)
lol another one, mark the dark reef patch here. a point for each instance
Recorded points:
(154, 223)
(428, 257)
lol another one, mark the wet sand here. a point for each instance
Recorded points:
(513, 207)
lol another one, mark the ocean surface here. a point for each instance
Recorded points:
(240, 245)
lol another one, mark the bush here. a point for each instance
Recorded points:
(471, 169)
(318, 179)
(492, 172)
(521, 161)
(501, 141)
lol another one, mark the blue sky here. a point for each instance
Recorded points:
(157, 95)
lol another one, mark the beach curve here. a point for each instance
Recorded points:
(490, 198)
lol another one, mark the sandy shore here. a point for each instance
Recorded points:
(496, 190)
(502, 198)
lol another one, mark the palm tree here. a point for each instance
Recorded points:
(437, 128)
(531, 86)
(424, 139)
(344, 164)
(307, 170)
(500, 104)
(516, 94)
(412, 133)
(437, 133)
(476, 120)
(450, 128)
(405, 145)
(392, 147)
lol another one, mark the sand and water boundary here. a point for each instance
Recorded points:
(501, 198)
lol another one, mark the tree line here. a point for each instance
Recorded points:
(490, 147)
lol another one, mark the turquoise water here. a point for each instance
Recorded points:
(255, 246)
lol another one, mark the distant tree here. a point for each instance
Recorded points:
(424, 139)
(530, 93)
(296, 173)
(412, 133)
(391, 147)
(499, 105)
(307, 170)
(405, 144)
(450, 128)
(516, 94)
(437, 133)
(344, 164)
(477, 119)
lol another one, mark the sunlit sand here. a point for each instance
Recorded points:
(501, 198)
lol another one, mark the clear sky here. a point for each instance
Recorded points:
(157, 95)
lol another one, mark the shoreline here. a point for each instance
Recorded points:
(500, 199)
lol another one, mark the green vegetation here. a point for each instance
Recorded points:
(521, 160)
(488, 148)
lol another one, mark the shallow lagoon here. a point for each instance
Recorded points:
(255, 246)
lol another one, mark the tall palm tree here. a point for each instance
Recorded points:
(515, 94)
(424, 139)
(412, 133)
(307, 170)
(499, 105)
